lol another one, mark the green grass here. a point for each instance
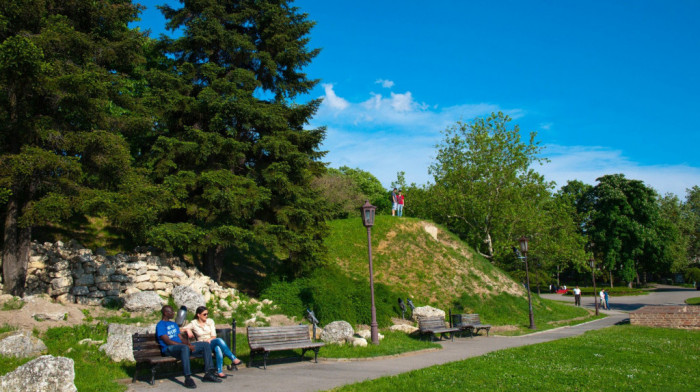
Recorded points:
(619, 291)
(506, 309)
(621, 358)
(94, 371)
(693, 301)
(393, 343)
(13, 304)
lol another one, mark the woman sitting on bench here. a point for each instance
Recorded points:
(203, 329)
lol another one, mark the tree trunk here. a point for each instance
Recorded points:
(611, 279)
(214, 263)
(15, 253)
(489, 246)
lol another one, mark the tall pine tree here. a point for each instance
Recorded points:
(64, 70)
(230, 143)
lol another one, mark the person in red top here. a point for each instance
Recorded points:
(399, 202)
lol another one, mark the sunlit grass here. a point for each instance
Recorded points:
(621, 358)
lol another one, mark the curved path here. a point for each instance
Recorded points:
(309, 376)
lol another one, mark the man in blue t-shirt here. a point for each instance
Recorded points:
(172, 345)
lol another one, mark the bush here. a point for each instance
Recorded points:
(333, 296)
(692, 275)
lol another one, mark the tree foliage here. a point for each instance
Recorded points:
(65, 68)
(229, 144)
(625, 228)
(484, 184)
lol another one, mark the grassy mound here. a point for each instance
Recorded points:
(431, 271)
(409, 262)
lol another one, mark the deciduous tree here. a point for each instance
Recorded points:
(484, 183)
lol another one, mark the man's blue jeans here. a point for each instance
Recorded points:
(182, 351)
(220, 350)
(399, 210)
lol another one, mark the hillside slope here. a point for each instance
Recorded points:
(429, 269)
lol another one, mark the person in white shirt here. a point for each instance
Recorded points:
(602, 300)
(577, 296)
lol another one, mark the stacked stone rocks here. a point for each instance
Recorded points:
(70, 273)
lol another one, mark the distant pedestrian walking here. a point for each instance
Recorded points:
(607, 304)
(399, 203)
(602, 299)
(577, 296)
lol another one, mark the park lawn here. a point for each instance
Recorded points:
(693, 301)
(392, 344)
(619, 358)
(508, 310)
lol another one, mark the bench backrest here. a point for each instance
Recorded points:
(431, 323)
(259, 337)
(145, 346)
(472, 318)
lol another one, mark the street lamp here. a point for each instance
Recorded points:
(523, 249)
(367, 211)
(595, 291)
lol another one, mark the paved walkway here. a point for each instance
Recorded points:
(308, 376)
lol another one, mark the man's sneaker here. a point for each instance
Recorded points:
(189, 383)
(210, 378)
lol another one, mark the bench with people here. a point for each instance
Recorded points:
(171, 344)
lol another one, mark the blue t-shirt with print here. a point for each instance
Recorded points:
(170, 329)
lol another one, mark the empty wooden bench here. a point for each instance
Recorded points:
(263, 340)
(432, 326)
(475, 323)
(147, 350)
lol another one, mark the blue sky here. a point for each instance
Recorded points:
(609, 86)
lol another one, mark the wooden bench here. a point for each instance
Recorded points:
(432, 326)
(147, 350)
(475, 324)
(263, 340)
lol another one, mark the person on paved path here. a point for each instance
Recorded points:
(174, 344)
(577, 296)
(607, 304)
(602, 299)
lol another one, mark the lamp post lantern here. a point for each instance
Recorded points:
(595, 291)
(367, 211)
(523, 249)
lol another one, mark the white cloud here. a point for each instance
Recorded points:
(385, 83)
(399, 111)
(333, 100)
(388, 134)
(586, 163)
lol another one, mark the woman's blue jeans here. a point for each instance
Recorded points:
(220, 349)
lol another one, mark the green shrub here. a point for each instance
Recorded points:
(13, 304)
(692, 275)
(333, 296)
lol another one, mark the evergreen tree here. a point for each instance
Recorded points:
(230, 143)
(64, 81)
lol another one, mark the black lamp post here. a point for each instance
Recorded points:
(523, 249)
(367, 211)
(595, 291)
